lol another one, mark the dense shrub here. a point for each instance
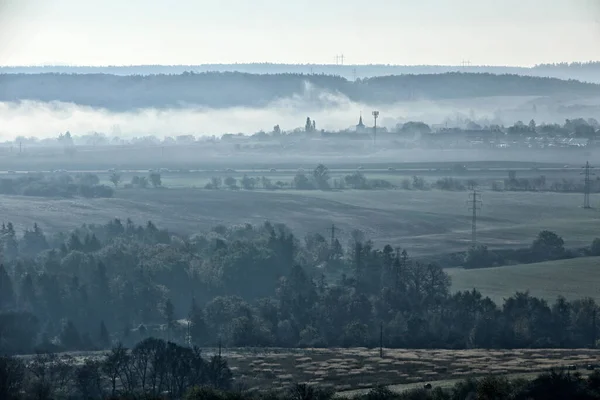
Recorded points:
(39, 185)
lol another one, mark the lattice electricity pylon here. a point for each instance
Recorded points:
(587, 186)
(475, 204)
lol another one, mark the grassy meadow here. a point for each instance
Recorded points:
(346, 370)
(573, 279)
(423, 222)
(354, 370)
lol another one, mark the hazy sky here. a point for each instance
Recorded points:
(125, 32)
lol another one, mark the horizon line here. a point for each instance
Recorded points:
(60, 65)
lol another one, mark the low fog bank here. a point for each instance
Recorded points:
(331, 111)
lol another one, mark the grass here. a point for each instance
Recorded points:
(355, 370)
(425, 223)
(573, 279)
(359, 368)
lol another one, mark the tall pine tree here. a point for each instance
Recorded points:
(198, 329)
(104, 338)
(7, 294)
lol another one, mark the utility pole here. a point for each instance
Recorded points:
(474, 204)
(587, 184)
(332, 235)
(594, 328)
(381, 339)
(375, 116)
(189, 330)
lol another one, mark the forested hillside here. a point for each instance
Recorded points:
(587, 71)
(254, 286)
(229, 89)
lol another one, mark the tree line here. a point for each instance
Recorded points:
(151, 369)
(56, 185)
(229, 89)
(254, 286)
(158, 370)
(319, 179)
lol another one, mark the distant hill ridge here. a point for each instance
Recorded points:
(588, 72)
(227, 89)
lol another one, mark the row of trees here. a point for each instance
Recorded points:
(577, 127)
(61, 185)
(239, 89)
(319, 179)
(258, 286)
(547, 246)
(153, 368)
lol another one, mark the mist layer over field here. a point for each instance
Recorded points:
(331, 111)
(44, 105)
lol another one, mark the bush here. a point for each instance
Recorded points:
(247, 182)
(419, 183)
(55, 186)
(230, 182)
(595, 247)
(12, 376)
(478, 256)
(449, 184)
(96, 191)
(357, 180)
(301, 182)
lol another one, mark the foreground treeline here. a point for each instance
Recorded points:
(255, 286)
(159, 370)
(152, 369)
(547, 386)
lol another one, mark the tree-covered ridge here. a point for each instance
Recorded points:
(227, 89)
(255, 286)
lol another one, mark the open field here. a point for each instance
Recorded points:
(349, 371)
(573, 279)
(428, 222)
(355, 368)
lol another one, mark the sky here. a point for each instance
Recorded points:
(405, 32)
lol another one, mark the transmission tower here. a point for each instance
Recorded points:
(587, 186)
(475, 205)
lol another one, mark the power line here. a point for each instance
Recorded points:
(338, 59)
(475, 205)
(587, 186)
